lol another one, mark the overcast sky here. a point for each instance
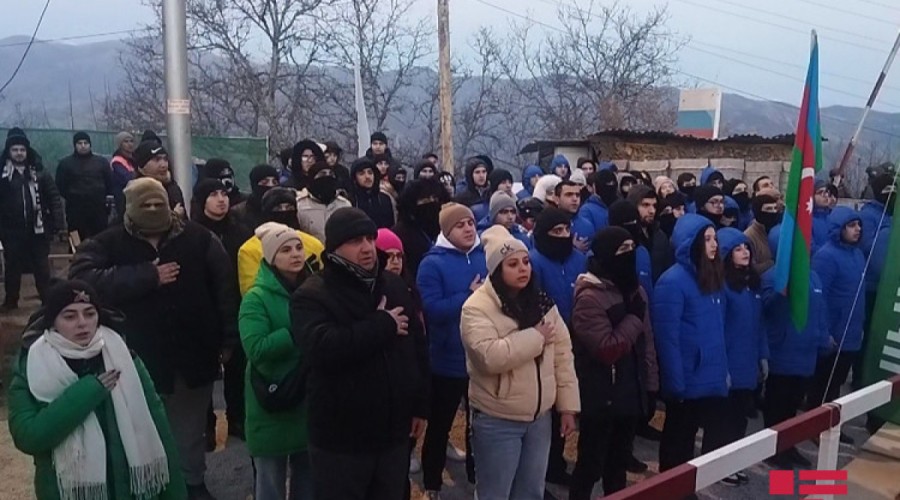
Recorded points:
(742, 49)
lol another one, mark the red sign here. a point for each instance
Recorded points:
(784, 482)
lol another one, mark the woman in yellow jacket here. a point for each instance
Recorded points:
(520, 364)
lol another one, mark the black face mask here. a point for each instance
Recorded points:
(621, 270)
(688, 190)
(609, 194)
(667, 223)
(324, 188)
(427, 216)
(288, 218)
(554, 248)
(743, 201)
(256, 194)
(769, 219)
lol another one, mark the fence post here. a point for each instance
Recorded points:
(829, 444)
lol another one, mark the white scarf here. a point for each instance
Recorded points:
(80, 460)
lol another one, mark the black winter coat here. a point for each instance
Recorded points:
(230, 232)
(376, 204)
(179, 328)
(416, 244)
(366, 383)
(84, 180)
(17, 216)
(247, 213)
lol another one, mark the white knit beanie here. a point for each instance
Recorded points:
(273, 236)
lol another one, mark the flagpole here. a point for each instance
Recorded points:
(848, 153)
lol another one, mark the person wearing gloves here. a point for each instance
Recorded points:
(615, 360)
(249, 212)
(594, 212)
(689, 330)
(555, 265)
(319, 200)
(448, 275)
(792, 356)
(841, 266)
(745, 341)
(545, 189)
(503, 212)
(85, 408)
(519, 359)
(530, 176)
(172, 280)
(278, 205)
(367, 389)
(276, 438)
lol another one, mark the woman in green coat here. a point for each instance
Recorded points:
(277, 440)
(86, 409)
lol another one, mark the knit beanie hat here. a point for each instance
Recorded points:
(674, 200)
(277, 196)
(451, 214)
(150, 135)
(549, 218)
(387, 240)
(216, 168)
(378, 136)
(498, 245)
(80, 136)
(660, 181)
(577, 176)
(623, 213)
(500, 201)
(122, 137)
(206, 187)
(703, 193)
(63, 293)
(273, 236)
(346, 224)
(496, 177)
(260, 172)
(140, 191)
(145, 151)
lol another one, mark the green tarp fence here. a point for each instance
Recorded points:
(243, 152)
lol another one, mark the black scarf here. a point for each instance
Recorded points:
(368, 278)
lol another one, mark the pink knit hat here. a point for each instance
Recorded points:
(387, 240)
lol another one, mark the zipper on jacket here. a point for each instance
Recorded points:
(613, 374)
(537, 370)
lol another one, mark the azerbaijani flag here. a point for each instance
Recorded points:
(792, 262)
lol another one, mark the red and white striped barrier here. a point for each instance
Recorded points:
(823, 422)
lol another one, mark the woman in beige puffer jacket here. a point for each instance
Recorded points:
(520, 363)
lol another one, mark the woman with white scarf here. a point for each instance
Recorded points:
(86, 409)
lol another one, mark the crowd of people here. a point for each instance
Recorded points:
(352, 312)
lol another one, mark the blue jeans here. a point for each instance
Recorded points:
(272, 476)
(510, 457)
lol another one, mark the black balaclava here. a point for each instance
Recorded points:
(667, 220)
(607, 187)
(885, 191)
(624, 214)
(620, 269)
(625, 184)
(683, 179)
(397, 177)
(767, 219)
(277, 196)
(742, 199)
(425, 216)
(556, 249)
(323, 188)
(257, 174)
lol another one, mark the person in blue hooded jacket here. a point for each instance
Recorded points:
(477, 191)
(689, 327)
(713, 177)
(731, 214)
(530, 176)
(556, 266)
(503, 212)
(745, 341)
(841, 266)
(594, 212)
(559, 166)
(792, 355)
(687, 184)
(450, 272)
(739, 191)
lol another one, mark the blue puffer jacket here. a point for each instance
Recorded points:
(530, 172)
(518, 232)
(557, 279)
(870, 214)
(644, 266)
(744, 219)
(592, 217)
(443, 281)
(840, 267)
(792, 352)
(745, 339)
(706, 172)
(820, 228)
(688, 325)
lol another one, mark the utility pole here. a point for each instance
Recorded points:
(446, 90)
(178, 102)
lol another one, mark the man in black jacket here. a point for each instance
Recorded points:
(249, 213)
(367, 194)
(360, 334)
(30, 212)
(85, 182)
(152, 160)
(173, 282)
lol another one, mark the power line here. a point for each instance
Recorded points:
(696, 77)
(851, 13)
(879, 4)
(76, 37)
(27, 49)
